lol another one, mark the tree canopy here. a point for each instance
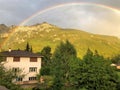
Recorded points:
(46, 52)
(94, 73)
(116, 59)
(46, 60)
(62, 60)
(67, 71)
(6, 77)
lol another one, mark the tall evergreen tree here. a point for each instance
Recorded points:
(46, 60)
(88, 56)
(27, 47)
(62, 59)
(46, 52)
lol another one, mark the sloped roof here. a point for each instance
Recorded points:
(19, 53)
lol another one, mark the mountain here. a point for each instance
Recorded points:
(5, 31)
(3, 28)
(45, 34)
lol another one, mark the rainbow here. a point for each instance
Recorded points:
(59, 6)
(68, 4)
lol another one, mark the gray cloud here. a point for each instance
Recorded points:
(17, 10)
(89, 18)
(92, 18)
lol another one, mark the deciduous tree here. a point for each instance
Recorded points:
(6, 77)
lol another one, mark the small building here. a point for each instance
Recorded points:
(29, 63)
(114, 65)
(118, 66)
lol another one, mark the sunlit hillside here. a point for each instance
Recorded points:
(45, 34)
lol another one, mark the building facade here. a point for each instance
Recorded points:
(27, 63)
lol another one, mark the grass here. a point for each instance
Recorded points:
(106, 45)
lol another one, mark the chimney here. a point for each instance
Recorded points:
(9, 49)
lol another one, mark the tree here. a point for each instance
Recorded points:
(116, 59)
(94, 73)
(46, 60)
(88, 57)
(46, 53)
(6, 77)
(27, 47)
(62, 59)
(97, 56)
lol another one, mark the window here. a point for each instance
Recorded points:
(32, 78)
(15, 69)
(16, 59)
(19, 79)
(32, 69)
(33, 59)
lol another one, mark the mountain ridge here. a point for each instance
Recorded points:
(45, 34)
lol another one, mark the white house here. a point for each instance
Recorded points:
(28, 62)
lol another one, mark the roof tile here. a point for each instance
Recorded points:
(19, 53)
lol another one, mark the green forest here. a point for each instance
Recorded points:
(64, 70)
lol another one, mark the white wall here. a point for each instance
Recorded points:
(24, 65)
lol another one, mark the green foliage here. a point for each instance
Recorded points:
(118, 84)
(116, 59)
(46, 60)
(94, 73)
(45, 70)
(6, 77)
(48, 82)
(28, 48)
(62, 60)
(88, 57)
(46, 53)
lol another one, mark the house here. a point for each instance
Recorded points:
(29, 63)
(116, 65)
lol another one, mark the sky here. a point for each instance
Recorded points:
(95, 16)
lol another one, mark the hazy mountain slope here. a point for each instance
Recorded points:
(3, 28)
(41, 35)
